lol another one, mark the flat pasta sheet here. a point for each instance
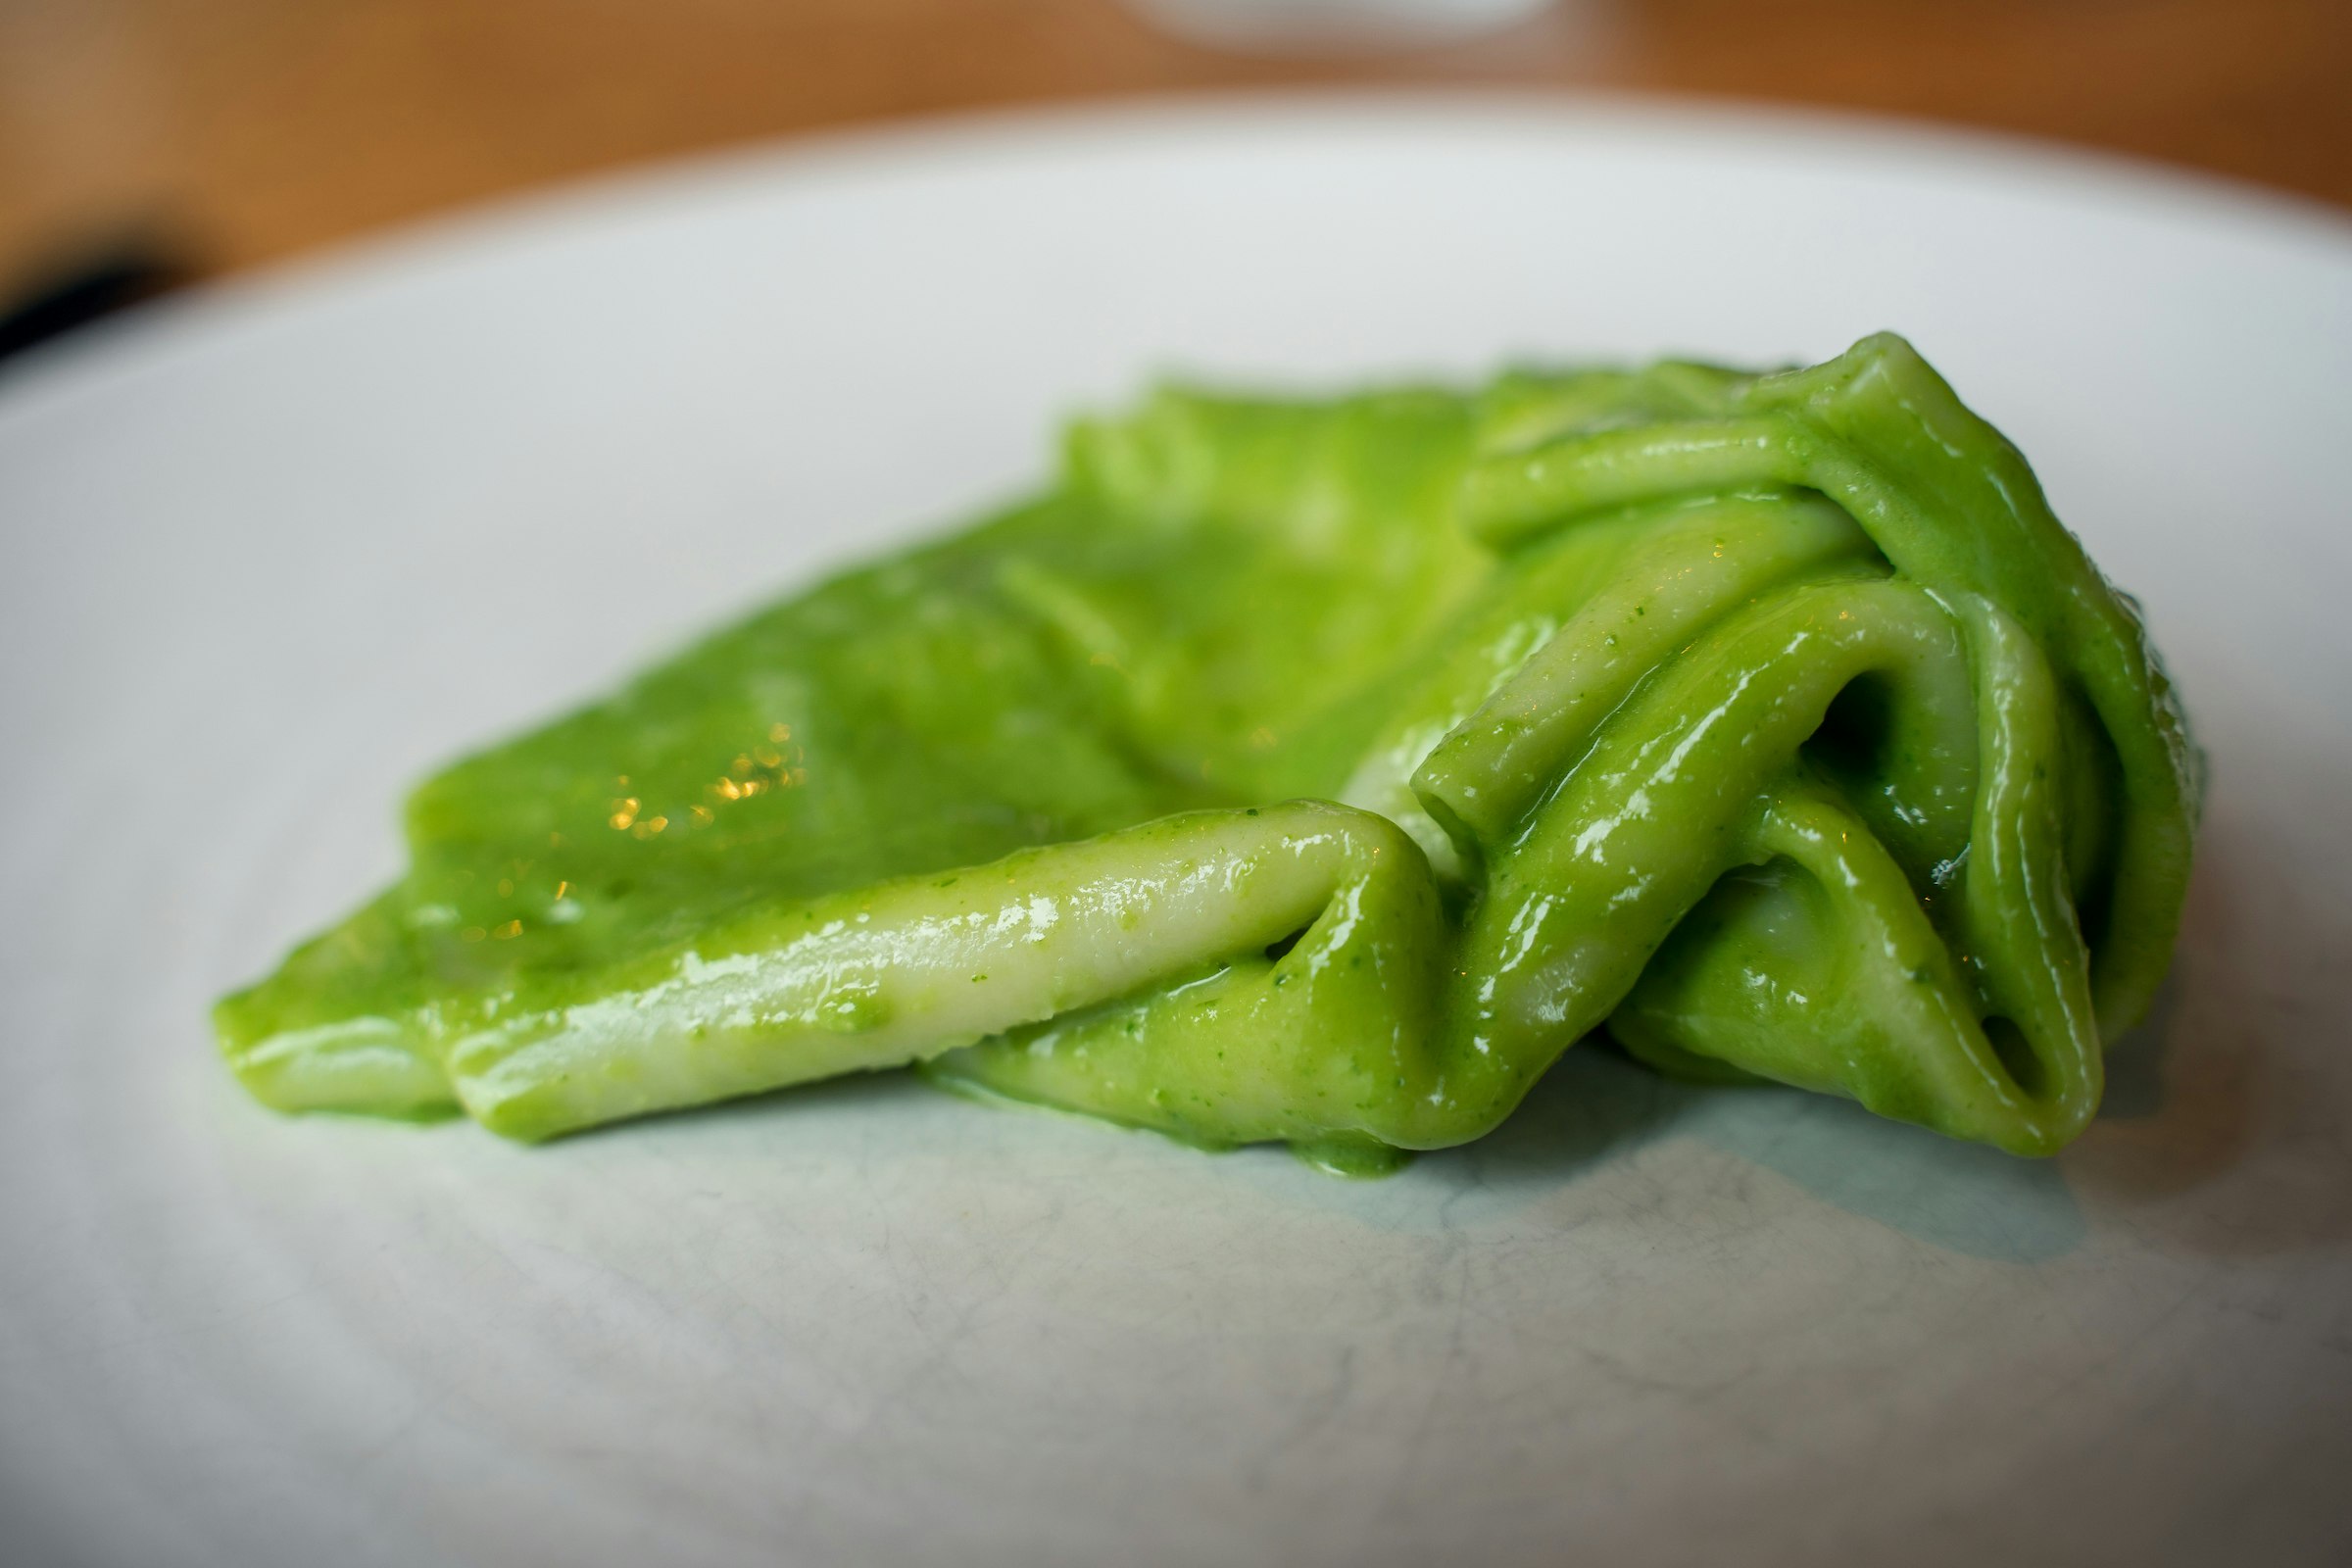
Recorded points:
(1319, 771)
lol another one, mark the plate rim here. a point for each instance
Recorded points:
(586, 201)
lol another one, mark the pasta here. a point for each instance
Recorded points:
(1319, 771)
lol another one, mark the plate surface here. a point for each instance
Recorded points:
(271, 553)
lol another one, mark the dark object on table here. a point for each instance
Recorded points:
(87, 283)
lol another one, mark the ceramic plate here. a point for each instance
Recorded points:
(272, 552)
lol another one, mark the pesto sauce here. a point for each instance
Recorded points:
(1319, 770)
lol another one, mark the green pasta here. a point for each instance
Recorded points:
(1319, 771)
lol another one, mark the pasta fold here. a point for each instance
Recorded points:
(1320, 771)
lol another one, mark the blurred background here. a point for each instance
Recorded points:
(144, 143)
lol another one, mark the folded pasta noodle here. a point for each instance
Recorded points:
(1319, 771)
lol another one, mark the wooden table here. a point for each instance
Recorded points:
(252, 129)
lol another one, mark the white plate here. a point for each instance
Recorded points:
(272, 552)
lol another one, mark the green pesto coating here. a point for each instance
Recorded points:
(1319, 771)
